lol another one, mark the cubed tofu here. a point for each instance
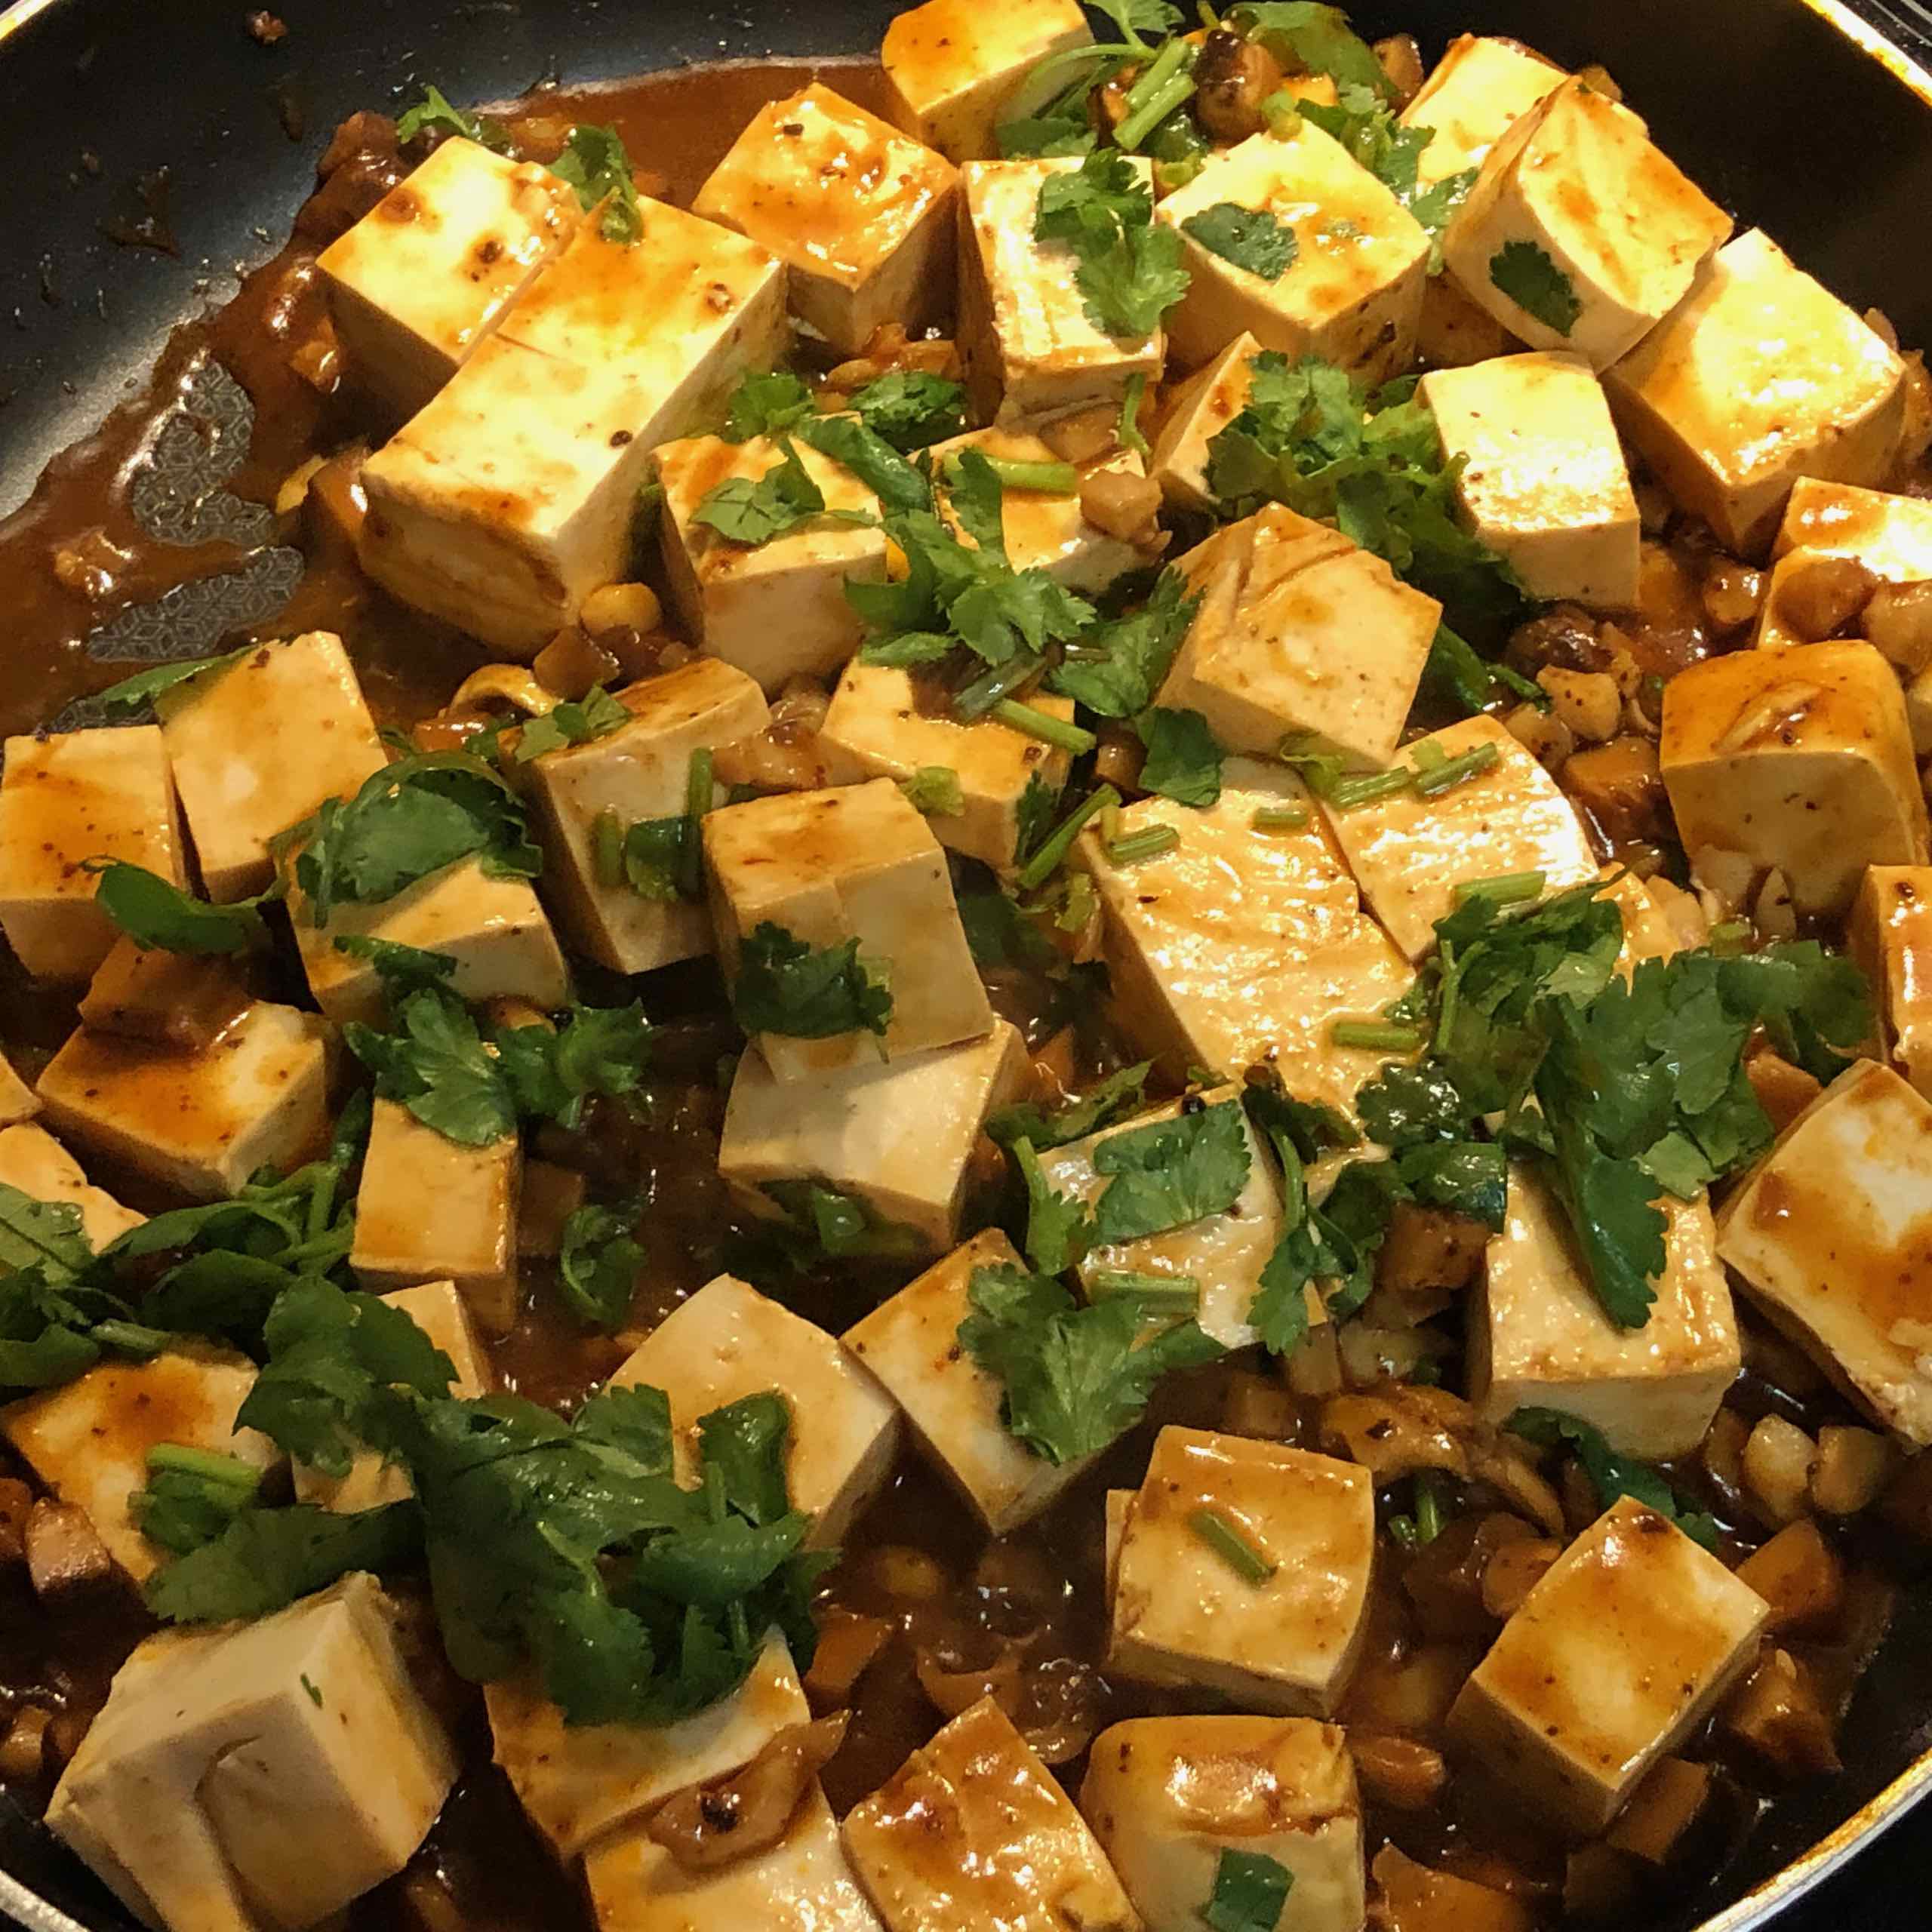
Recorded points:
(186, 1000)
(1538, 1338)
(899, 1137)
(855, 861)
(955, 68)
(432, 1210)
(778, 610)
(1611, 1661)
(1799, 758)
(1453, 332)
(728, 1342)
(428, 273)
(973, 1831)
(1031, 348)
(259, 744)
(640, 771)
(911, 1343)
(1352, 294)
(860, 214)
(1890, 534)
(1196, 413)
(259, 1774)
(1472, 96)
(1762, 376)
(1409, 855)
(65, 799)
(1890, 937)
(579, 1782)
(88, 1440)
(199, 1123)
(1543, 483)
(1238, 946)
(1831, 1235)
(32, 1160)
(501, 504)
(1287, 1643)
(18, 1101)
(1300, 630)
(1167, 1796)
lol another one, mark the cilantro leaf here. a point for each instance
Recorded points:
(1318, 37)
(751, 512)
(826, 1225)
(935, 790)
(552, 1073)
(898, 485)
(402, 969)
(1060, 1231)
(45, 1235)
(1115, 670)
(155, 913)
(746, 1442)
(786, 986)
(574, 721)
(1613, 1475)
(1028, 1121)
(1251, 238)
(595, 164)
(433, 115)
(1170, 1172)
(133, 695)
(1034, 815)
(1250, 1893)
(1525, 273)
(1134, 18)
(1128, 267)
(597, 1264)
(1183, 762)
(765, 403)
(436, 1064)
(909, 409)
(976, 499)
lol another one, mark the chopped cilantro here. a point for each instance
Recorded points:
(312, 1690)
(1251, 238)
(752, 511)
(1525, 273)
(1033, 816)
(155, 913)
(839, 1227)
(766, 403)
(934, 789)
(133, 695)
(1135, 18)
(1115, 669)
(898, 486)
(1171, 1172)
(575, 721)
(401, 969)
(1128, 266)
(597, 1264)
(1183, 762)
(433, 115)
(1078, 1118)
(1318, 38)
(786, 986)
(910, 409)
(1060, 1231)
(595, 164)
(1614, 1475)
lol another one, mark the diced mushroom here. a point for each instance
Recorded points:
(1081, 435)
(705, 1826)
(1588, 702)
(1514, 1571)
(571, 662)
(1445, 1580)
(1401, 62)
(1898, 621)
(847, 1647)
(23, 1748)
(1777, 1712)
(1403, 1772)
(1260, 1405)
(1411, 1897)
(621, 607)
(1429, 1248)
(1732, 592)
(958, 1670)
(65, 1555)
(1620, 785)
(1799, 1574)
(16, 1506)
(1232, 77)
(1599, 1882)
(1853, 1465)
(1542, 734)
(1124, 506)
(1778, 1460)
(1784, 1091)
(1662, 1810)
(1820, 596)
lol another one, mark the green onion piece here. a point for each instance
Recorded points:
(1430, 1513)
(1148, 843)
(1059, 842)
(1176, 1291)
(1378, 1035)
(1059, 479)
(1506, 889)
(607, 850)
(979, 697)
(1282, 112)
(131, 1338)
(1231, 1547)
(697, 802)
(1209, 18)
(1403, 1529)
(1110, 823)
(1130, 438)
(1433, 783)
(1349, 792)
(1061, 732)
(207, 1466)
(1731, 936)
(1280, 818)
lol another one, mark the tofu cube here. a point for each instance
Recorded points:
(1890, 936)
(973, 1830)
(861, 214)
(32, 1160)
(1409, 853)
(1030, 344)
(1544, 483)
(18, 1101)
(1890, 534)
(1453, 332)
(200, 1123)
(1238, 946)
(855, 862)
(1196, 413)
(1300, 630)
(428, 273)
(779, 611)
(1762, 376)
(1472, 97)
(259, 1774)
(1353, 295)
(1623, 233)
(1830, 1236)
(1799, 758)
(258, 746)
(88, 1440)
(1167, 1796)
(185, 1000)
(955, 68)
(640, 771)
(511, 496)
(728, 1342)
(1611, 1661)
(1537, 1336)
(432, 1210)
(65, 799)
(1181, 1612)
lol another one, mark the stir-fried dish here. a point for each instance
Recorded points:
(1045, 1044)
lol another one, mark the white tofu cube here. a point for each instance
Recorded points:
(200, 1123)
(511, 496)
(1762, 376)
(1621, 232)
(1031, 348)
(1611, 1661)
(1890, 534)
(1890, 936)
(973, 1831)
(1167, 1796)
(728, 1342)
(862, 215)
(259, 1774)
(32, 1160)
(1287, 1643)
(1196, 413)
(858, 863)
(88, 1440)
(1828, 1234)
(1352, 294)
(1300, 630)
(428, 273)
(18, 1101)
(1472, 96)
(66, 799)
(641, 770)
(1799, 758)
(260, 745)
(1453, 332)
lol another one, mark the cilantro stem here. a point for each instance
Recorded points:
(1378, 1035)
(1432, 783)
(1148, 843)
(1430, 1513)
(1506, 889)
(1234, 1549)
(1059, 479)
(1347, 793)
(1181, 1292)
(1729, 937)
(1129, 432)
(1059, 842)
(131, 1338)
(607, 850)
(204, 1466)
(1280, 818)
(1160, 90)
(1061, 732)
(979, 697)
(697, 802)
(1403, 1529)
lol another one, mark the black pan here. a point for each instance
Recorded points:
(1805, 116)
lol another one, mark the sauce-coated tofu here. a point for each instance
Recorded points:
(1799, 758)
(1167, 1796)
(728, 1342)
(861, 215)
(972, 1830)
(1472, 95)
(32, 1160)
(1831, 1235)
(1609, 1665)
(1577, 178)
(1453, 332)
(1544, 483)
(1890, 936)
(426, 274)
(1353, 295)
(259, 745)
(854, 862)
(1890, 534)
(1196, 413)
(66, 799)
(1539, 1339)
(18, 1101)
(1761, 377)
